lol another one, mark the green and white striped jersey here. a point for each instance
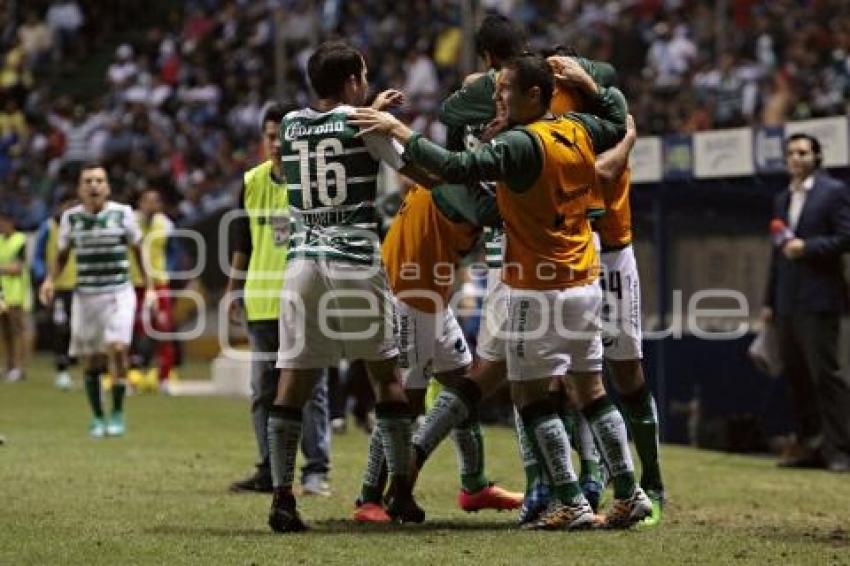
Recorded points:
(494, 246)
(100, 244)
(332, 177)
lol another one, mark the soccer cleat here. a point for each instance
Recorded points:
(283, 516)
(626, 512)
(534, 504)
(97, 428)
(405, 510)
(370, 512)
(63, 381)
(116, 424)
(654, 518)
(490, 497)
(563, 517)
(258, 482)
(592, 491)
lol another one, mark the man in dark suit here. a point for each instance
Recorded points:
(806, 295)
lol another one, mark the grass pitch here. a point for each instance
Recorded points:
(159, 496)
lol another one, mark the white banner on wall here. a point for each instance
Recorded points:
(645, 161)
(724, 153)
(832, 133)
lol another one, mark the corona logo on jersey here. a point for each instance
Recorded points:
(297, 130)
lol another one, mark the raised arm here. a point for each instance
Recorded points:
(611, 164)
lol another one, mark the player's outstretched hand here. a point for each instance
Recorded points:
(387, 99)
(45, 292)
(371, 120)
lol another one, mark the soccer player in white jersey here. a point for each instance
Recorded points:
(102, 233)
(335, 300)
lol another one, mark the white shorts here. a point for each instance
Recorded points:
(428, 343)
(333, 310)
(100, 319)
(494, 317)
(621, 331)
(552, 332)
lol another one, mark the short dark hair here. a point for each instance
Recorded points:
(534, 71)
(330, 65)
(563, 50)
(89, 165)
(273, 113)
(816, 146)
(499, 37)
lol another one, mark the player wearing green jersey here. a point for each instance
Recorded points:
(102, 233)
(335, 301)
(546, 170)
(470, 115)
(259, 240)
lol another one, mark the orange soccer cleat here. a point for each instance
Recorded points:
(371, 513)
(491, 497)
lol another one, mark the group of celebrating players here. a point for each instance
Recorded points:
(536, 161)
(536, 164)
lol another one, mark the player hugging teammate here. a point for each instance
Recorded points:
(552, 170)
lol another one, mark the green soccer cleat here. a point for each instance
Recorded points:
(654, 518)
(116, 424)
(97, 428)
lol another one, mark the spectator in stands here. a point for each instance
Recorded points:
(806, 294)
(670, 56)
(65, 18)
(36, 40)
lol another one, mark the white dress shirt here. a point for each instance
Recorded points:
(798, 200)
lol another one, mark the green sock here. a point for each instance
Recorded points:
(119, 389)
(552, 447)
(92, 382)
(395, 426)
(642, 416)
(284, 435)
(469, 443)
(533, 473)
(589, 455)
(609, 429)
(448, 411)
(375, 476)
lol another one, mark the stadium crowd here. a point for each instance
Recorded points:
(176, 107)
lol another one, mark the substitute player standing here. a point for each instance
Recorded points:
(102, 233)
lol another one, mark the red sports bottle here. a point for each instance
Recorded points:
(780, 232)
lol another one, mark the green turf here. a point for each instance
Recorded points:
(159, 496)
